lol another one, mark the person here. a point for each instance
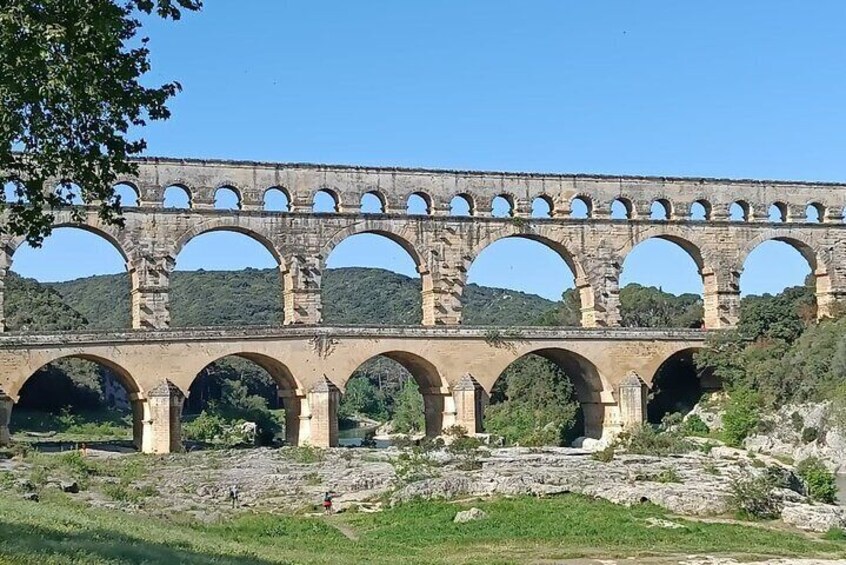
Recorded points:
(233, 495)
(327, 501)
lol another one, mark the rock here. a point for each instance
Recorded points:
(590, 444)
(31, 496)
(814, 517)
(469, 516)
(24, 485)
(69, 486)
(661, 523)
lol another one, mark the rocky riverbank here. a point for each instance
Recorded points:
(293, 479)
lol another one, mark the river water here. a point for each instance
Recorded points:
(354, 437)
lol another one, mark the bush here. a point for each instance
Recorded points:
(753, 497)
(465, 448)
(741, 416)
(646, 440)
(797, 422)
(604, 455)
(694, 426)
(810, 434)
(819, 481)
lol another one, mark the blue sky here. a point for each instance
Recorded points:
(719, 88)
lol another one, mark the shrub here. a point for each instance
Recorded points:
(465, 448)
(741, 416)
(819, 481)
(604, 455)
(307, 454)
(753, 497)
(797, 422)
(810, 434)
(694, 426)
(646, 440)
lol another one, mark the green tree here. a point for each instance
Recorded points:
(70, 91)
(408, 409)
(533, 403)
(649, 307)
(361, 398)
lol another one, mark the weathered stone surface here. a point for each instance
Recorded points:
(814, 517)
(470, 515)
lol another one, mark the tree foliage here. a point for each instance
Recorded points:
(532, 403)
(70, 97)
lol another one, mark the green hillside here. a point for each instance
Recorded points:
(254, 297)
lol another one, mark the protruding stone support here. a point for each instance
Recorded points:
(434, 406)
(163, 426)
(292, 401)
(137, 402)
(322, 414)
(632, 401)
(150, 279)
(721, 300)
(6, 404)
(467, 396)
(606, 299)
(301, 294)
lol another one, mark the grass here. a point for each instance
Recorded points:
(61, 531)
(66, 427)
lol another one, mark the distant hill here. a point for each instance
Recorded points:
(253, 296)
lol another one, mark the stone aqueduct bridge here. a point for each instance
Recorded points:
(454, 366)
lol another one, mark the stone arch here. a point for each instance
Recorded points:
(408, 244)
(781, 212)
(807, 248)
(626, 205)
(15, 384)
(587, 201)
(274, 189)
(744, 208)
(123, 245)
(509, 201)
(333, 194)
(815, 208)
(133, 188)
(468, 199)
(429, 381)
(681, 384)
(378, 195)
(224, 224)
(425, 198)
(593, 390)
(705, 207)
(665, 208)
(544, 200)
(583, 283)
(181, 187)
(232, 189)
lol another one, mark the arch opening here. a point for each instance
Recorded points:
(776, 265)
(227, 198)
(373, 278)
(542, 207)
(177, 196)
(547, 397)
(700, 211)
(581, 207)
(46, 289)
(277, 200)
(739, 211)
(80, 398)
(325, 202)
(502, 206)
(461, 205)
(814, 213)
(651, 295)
(372, 203)
(225, 276)
(419, 204)
(69, 193)
(397, 388)
(777, 212)
(678, 385)
(126, 195)
(242, 399)
(660, 209)
(622, 209)
(522, 280)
